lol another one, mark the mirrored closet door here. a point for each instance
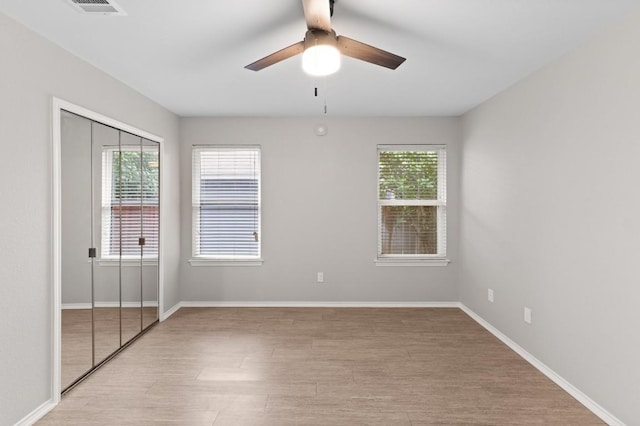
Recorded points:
(110, 217)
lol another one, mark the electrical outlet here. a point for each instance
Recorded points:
(320, 277)
(490, 295)
(527, 315)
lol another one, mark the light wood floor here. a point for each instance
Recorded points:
(77, 345)
(308, 366)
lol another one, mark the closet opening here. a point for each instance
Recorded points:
(107, 254)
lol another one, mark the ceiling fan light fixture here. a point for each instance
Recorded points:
(321, 55)
(321, 60)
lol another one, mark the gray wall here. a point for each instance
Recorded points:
(33, 70)
(319, 211)
(550, 208)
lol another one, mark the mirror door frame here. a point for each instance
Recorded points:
(57, 105)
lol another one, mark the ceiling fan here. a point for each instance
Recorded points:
(321, 47)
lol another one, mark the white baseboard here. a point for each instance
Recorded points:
(70, 306)
(146, 303)
(253, 304)
(37, 414)
(589, 403)
(171, 311)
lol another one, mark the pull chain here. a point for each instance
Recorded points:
(324, 95)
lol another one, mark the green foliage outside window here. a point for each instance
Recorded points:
(409, 176)
(127, 164)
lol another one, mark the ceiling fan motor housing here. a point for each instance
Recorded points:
(320, 38)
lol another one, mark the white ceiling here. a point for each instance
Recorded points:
(188, 55)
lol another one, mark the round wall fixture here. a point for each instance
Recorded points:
(321, 129)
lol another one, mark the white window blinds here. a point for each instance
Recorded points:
(226, 202)
(130, 202)
(412, 201)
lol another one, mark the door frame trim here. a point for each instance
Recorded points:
(57, 106)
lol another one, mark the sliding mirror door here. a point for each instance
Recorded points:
(150, 205)
(106, 266)
(76, 238)
(110, 215)
(127, 201)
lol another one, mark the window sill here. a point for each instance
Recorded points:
(397, 261)
(226, 262)
(127, 262)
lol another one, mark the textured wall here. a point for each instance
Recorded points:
(319, 211)
(549, 216)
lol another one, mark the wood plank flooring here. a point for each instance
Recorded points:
(318, 366)
(77, 356)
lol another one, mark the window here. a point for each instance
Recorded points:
(130, 183)
(412, 207)
(226, 203)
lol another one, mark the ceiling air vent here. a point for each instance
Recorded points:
(97, 7)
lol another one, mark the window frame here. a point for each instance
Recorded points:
(106, 209)
(440, 257)
(221, 260)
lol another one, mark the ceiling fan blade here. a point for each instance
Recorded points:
(318, 14)
(364, 52)
(274, 58)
